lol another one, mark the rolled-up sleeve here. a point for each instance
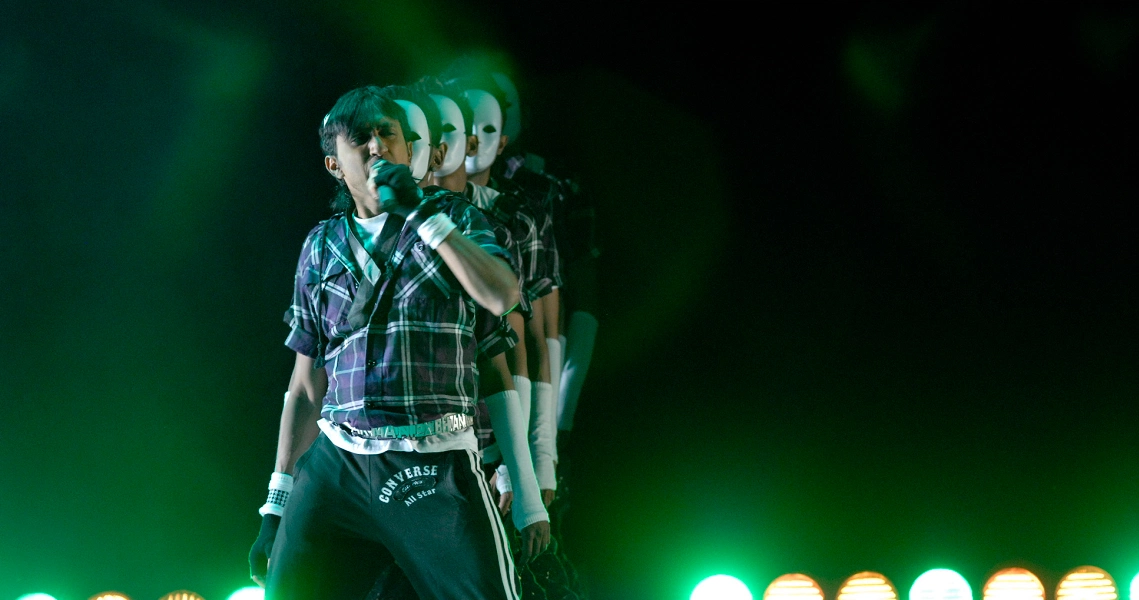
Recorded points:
(301, 315)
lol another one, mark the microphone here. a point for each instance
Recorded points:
(387, 194)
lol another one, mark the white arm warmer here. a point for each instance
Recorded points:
(579, 349)
(554, 348)
(522, 386)
(542, 433)
(490, 454)
(506, 419)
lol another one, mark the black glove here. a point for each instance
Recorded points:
(399, 179)
(259, 553)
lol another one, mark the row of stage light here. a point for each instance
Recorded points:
(1081, 583)
(246, 593)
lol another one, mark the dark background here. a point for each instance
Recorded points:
(868, 280)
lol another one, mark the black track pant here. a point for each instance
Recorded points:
(351, 516)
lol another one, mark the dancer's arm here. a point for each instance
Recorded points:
(486, 278)
(298, 430)
(302, 409)
(529, 514)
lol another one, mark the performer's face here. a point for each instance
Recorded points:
(420, 148)
(454, 135)
(487, 127)
(356, 154)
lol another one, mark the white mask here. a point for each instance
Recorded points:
(421, 148)
(488, 128)
(513, 126)
(454, 136)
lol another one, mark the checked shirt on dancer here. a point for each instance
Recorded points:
(534, 235)
(413, 364)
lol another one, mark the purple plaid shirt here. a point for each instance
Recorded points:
(414, 361)
(506, 230)
(540, 266)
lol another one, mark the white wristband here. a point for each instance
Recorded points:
(280, 486)
(502, 483)
(435, 229)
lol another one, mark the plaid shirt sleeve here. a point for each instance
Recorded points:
(304, 333)
(477, 228)
(553, 268)
(493, 334)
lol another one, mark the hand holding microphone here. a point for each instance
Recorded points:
(395, 186)
(399, 194)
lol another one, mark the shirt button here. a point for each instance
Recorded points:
(372, 364)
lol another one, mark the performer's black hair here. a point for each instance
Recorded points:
(358, 111)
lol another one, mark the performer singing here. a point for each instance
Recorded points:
(385, 326)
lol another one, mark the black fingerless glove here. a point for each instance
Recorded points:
(263, 546)
(427, 209)
(399, 179)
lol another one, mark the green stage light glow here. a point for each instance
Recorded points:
(248, 593)
(721, 587)
(36, 596)
(941, 584)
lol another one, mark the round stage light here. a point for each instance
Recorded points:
(717, 587)
(182, 595)
(110, 596)
(941, 584)
(36, 596)
(248, 593)
(1013, 584)
(793, 586)
(867, 585)
(1087, 583)
(1135, 588)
